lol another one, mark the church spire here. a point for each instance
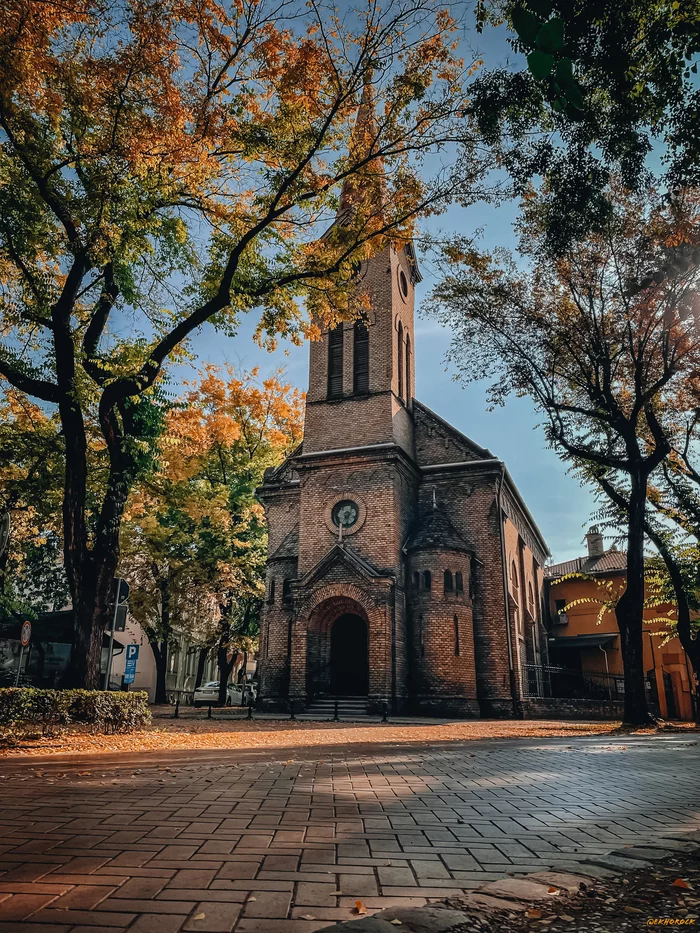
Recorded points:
(367, 184)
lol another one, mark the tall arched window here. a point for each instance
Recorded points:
(514, 580)
(271, 591)
(361, 359)
(456, 622)
(335, 362)
(286, 591)
(447, 581)
(427, 580)
(400, 360)
(530, 599)
(459, 582)
(416, 580)
(408, 368)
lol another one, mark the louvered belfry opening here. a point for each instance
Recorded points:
(335, 362)
(361, 359)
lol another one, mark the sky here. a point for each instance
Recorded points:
(560, 506)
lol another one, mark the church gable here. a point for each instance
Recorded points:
(342, 564)
(439, 442)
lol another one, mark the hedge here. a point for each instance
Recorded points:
(23, 707)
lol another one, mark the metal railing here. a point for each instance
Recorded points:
(539, 680)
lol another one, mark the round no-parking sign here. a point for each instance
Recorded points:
(26, 633)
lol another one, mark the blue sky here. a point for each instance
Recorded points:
(558, 504)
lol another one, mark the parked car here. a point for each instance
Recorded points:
(209, 693)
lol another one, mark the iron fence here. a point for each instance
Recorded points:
(539, 680)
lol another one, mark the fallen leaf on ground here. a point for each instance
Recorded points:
(360, 907)
(632, 910)
(252, 898)
(397, 923)
(307, 917)
(200, 916)
(533, 913)
(680, 883)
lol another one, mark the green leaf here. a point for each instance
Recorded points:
(575, 97)
(550, 38)
(526, 25)
(565, 71)
(540, 64)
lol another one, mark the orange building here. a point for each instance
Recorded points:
(583, 645)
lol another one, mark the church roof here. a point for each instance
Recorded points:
(436, 532)
(288, 548)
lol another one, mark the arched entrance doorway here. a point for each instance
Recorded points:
(349, 657)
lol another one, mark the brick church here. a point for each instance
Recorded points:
(403, 567)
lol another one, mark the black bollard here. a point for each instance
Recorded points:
(336, 717)
(291, 710)
(250, 710)
(209, 712)
(176, 714)
(385, 713)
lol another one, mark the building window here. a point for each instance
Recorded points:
(456, 621)
(560, 606)
(408, 368)
(530, 600)
(416, 580)
(361, 359)
(400, 360)
(514, 581)
(286, 591)
(459, 582)
(289, 639)
(447, 579)
(271, 591)
(335, 362)
(427, 580)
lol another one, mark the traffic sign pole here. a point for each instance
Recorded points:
(121, 594)
(24, 639)
(111, 639)
(19, 666)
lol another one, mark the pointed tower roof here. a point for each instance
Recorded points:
(436, 532)
(367, 184)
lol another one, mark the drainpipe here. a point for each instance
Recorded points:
(517, 712)
(393, 648)
(607, 669)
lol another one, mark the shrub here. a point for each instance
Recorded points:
(22, 707)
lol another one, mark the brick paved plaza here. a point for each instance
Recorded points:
(275, 841)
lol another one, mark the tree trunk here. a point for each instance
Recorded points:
(160, 656)
(92, 598)
(225, 667)
(203, 655)
(630, 608)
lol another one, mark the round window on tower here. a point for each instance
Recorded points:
(403, 283)
(345, 513)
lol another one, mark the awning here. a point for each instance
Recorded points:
(596, 640)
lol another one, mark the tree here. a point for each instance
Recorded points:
(603, 85)
(194, 542)
(600, 354)
(164, 165)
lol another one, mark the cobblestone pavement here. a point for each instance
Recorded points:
(278, 841)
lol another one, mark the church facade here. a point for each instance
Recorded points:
(403, 565)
